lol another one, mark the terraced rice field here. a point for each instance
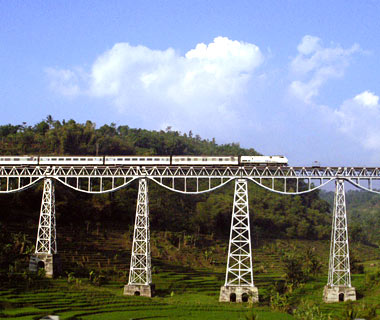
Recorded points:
(180, 295)
(182, 291)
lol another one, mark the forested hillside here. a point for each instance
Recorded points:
(363, 210)
(304, 217)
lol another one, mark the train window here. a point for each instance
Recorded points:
(53, 159)
(61, 159)
(89, 159)
(134, 159)
(189, 159)
(119, 159)
(149, 159)
(75, 159)
(16, 159)
(82, 159)
(7, 159)
(220, 159)
(142, 159)
(204, 159)
(213, 159)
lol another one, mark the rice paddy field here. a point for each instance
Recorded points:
(187, 280)
(181, 293)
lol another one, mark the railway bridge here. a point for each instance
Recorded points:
(195, 179)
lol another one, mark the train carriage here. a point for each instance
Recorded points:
(205, 160)
(137, 160)
(264, 160)
(145, 160)
(67, 160)
(18, 160)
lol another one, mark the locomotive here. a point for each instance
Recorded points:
(145, 160)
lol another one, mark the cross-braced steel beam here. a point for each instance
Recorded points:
(46, 237)
(186, 179)
(140, 269)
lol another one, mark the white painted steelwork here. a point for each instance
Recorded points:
(140, 267)
(46, 236)
(239, 262)
(339, 263)
(186, 179)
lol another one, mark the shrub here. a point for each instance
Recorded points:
(308, 311)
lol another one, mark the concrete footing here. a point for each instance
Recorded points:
(49, 262)
(239, 294)
(338, 294)
(139, 290)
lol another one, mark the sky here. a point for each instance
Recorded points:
(296, 78)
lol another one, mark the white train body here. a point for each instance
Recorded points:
(145, 160)
(58, 160)
(23, 160)
(133, 160)
(265, 160)
(205, 160)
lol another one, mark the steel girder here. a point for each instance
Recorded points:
(188, 180)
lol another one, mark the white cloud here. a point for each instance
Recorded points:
(315, 65)
(359, 119)
(164, 83)
(64, 81)
(367, 99)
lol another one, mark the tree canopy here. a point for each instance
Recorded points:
(272, 215)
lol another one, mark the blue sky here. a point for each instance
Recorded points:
(299, 78)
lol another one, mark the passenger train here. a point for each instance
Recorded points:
(144, 160)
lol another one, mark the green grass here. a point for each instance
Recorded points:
(187, 285)
(182, 293)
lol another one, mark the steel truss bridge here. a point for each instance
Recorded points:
(195, 180)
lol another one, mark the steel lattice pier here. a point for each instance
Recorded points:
(196, 180)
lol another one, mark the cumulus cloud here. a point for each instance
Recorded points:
(359, 118)
(314, 65)
(67, 82)
(136, 79)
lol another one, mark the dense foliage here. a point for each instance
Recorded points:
(273, 216)
(363, 210)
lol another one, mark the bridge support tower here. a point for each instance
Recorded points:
(140, 273)
(339, 287)
(45, 255)
(239, 286)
